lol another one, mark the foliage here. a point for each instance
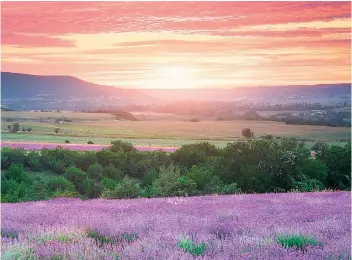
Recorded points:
(67, 141)
(194, 154)
(95, 172)
(297, 241)
(243, 166)
(15, 127)
(191, 247)
(90, 142)
(125, 189)
(109, 184)
(120, 146)
(200, 175)
(246, 132)
(111, 172)
(91, 188)
(76, 176)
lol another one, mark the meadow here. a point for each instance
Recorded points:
(103, 128)
(267, 226)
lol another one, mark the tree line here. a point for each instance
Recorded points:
(253, 166)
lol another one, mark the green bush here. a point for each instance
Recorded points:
(85, 159)
(67, 141)
(91, 188)
(194, 154)
(38, 191)
(60, 184)
(16, 173)
(111, 172)
(214, 186)
(90, 142)
(125, 189)
(200, 175)
(150, 177)
(191, 247)
(167, 183)
(76, 176)
(230, 189)
(120, 146)
(109, 184)
(297, 241)
(95, 172)
(33, 161)
(12, 156)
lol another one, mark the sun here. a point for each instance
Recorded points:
(175, 77)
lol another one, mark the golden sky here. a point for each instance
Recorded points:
(180, 44)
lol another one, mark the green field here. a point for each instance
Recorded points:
(103, 128)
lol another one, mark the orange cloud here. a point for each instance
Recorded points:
(220, 44)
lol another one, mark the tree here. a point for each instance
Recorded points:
(57, 130)
(9, 128)
(15, 127)
(247, 133)
(29, 129)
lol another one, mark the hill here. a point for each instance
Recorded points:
(61, 92)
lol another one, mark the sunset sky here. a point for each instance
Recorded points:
(180, 44)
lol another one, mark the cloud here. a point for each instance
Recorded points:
(224, 42)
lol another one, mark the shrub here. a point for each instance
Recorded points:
(60, 184)
(99, 238)
(120, 146)
(214, 186)
(150, 177)
(9, 233)
(125, 189)
(185, 186)
(15, 127)
(307, 185)
(167, 183)
(85, 159)
(109, 184)
(200, 175)
(194, 154)
(12, 191)
(91, 188)
(90, 142)
(95, 171)
(12, 156)
(230, 189)
(191, 247)
(16, 173)
(76, 176)
(56, 166)
(111, 172)
(38, 191)
(67, 141)
(33, 161)
(297, 241)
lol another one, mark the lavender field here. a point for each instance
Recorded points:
(266, 226)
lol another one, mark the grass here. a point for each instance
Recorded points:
(102, 128)
(191, 247)
(297, 241)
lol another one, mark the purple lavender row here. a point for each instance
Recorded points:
(214, 227)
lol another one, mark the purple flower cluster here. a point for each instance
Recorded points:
(232, 227)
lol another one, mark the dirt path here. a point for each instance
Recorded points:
(80, 147)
